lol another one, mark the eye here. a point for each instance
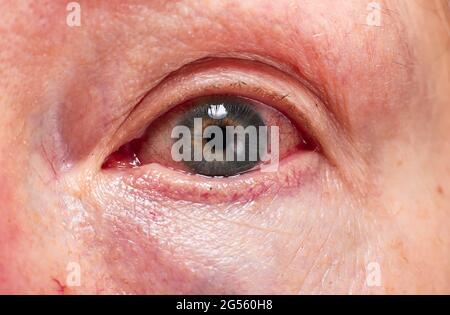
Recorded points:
(152, 153)
(214, 135)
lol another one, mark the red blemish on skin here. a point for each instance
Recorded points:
(440, 190)
(61, 287)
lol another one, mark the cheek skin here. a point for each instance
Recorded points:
(158, 245)
(9, 232)
(31, 251)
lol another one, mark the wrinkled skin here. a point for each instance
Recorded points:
(378, 194)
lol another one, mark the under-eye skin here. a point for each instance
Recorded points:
(224, 134)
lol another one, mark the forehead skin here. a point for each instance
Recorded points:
(64, 88)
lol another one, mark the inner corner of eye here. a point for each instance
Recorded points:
(214, 135)
(125, 157)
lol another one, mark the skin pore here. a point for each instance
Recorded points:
(375, 98)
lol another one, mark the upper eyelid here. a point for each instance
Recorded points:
(238, 56)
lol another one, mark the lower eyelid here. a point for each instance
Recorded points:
(154, 181)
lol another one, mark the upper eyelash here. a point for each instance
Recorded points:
(241, 109)
(237, 109)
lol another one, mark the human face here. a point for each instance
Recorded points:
(366, 210)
